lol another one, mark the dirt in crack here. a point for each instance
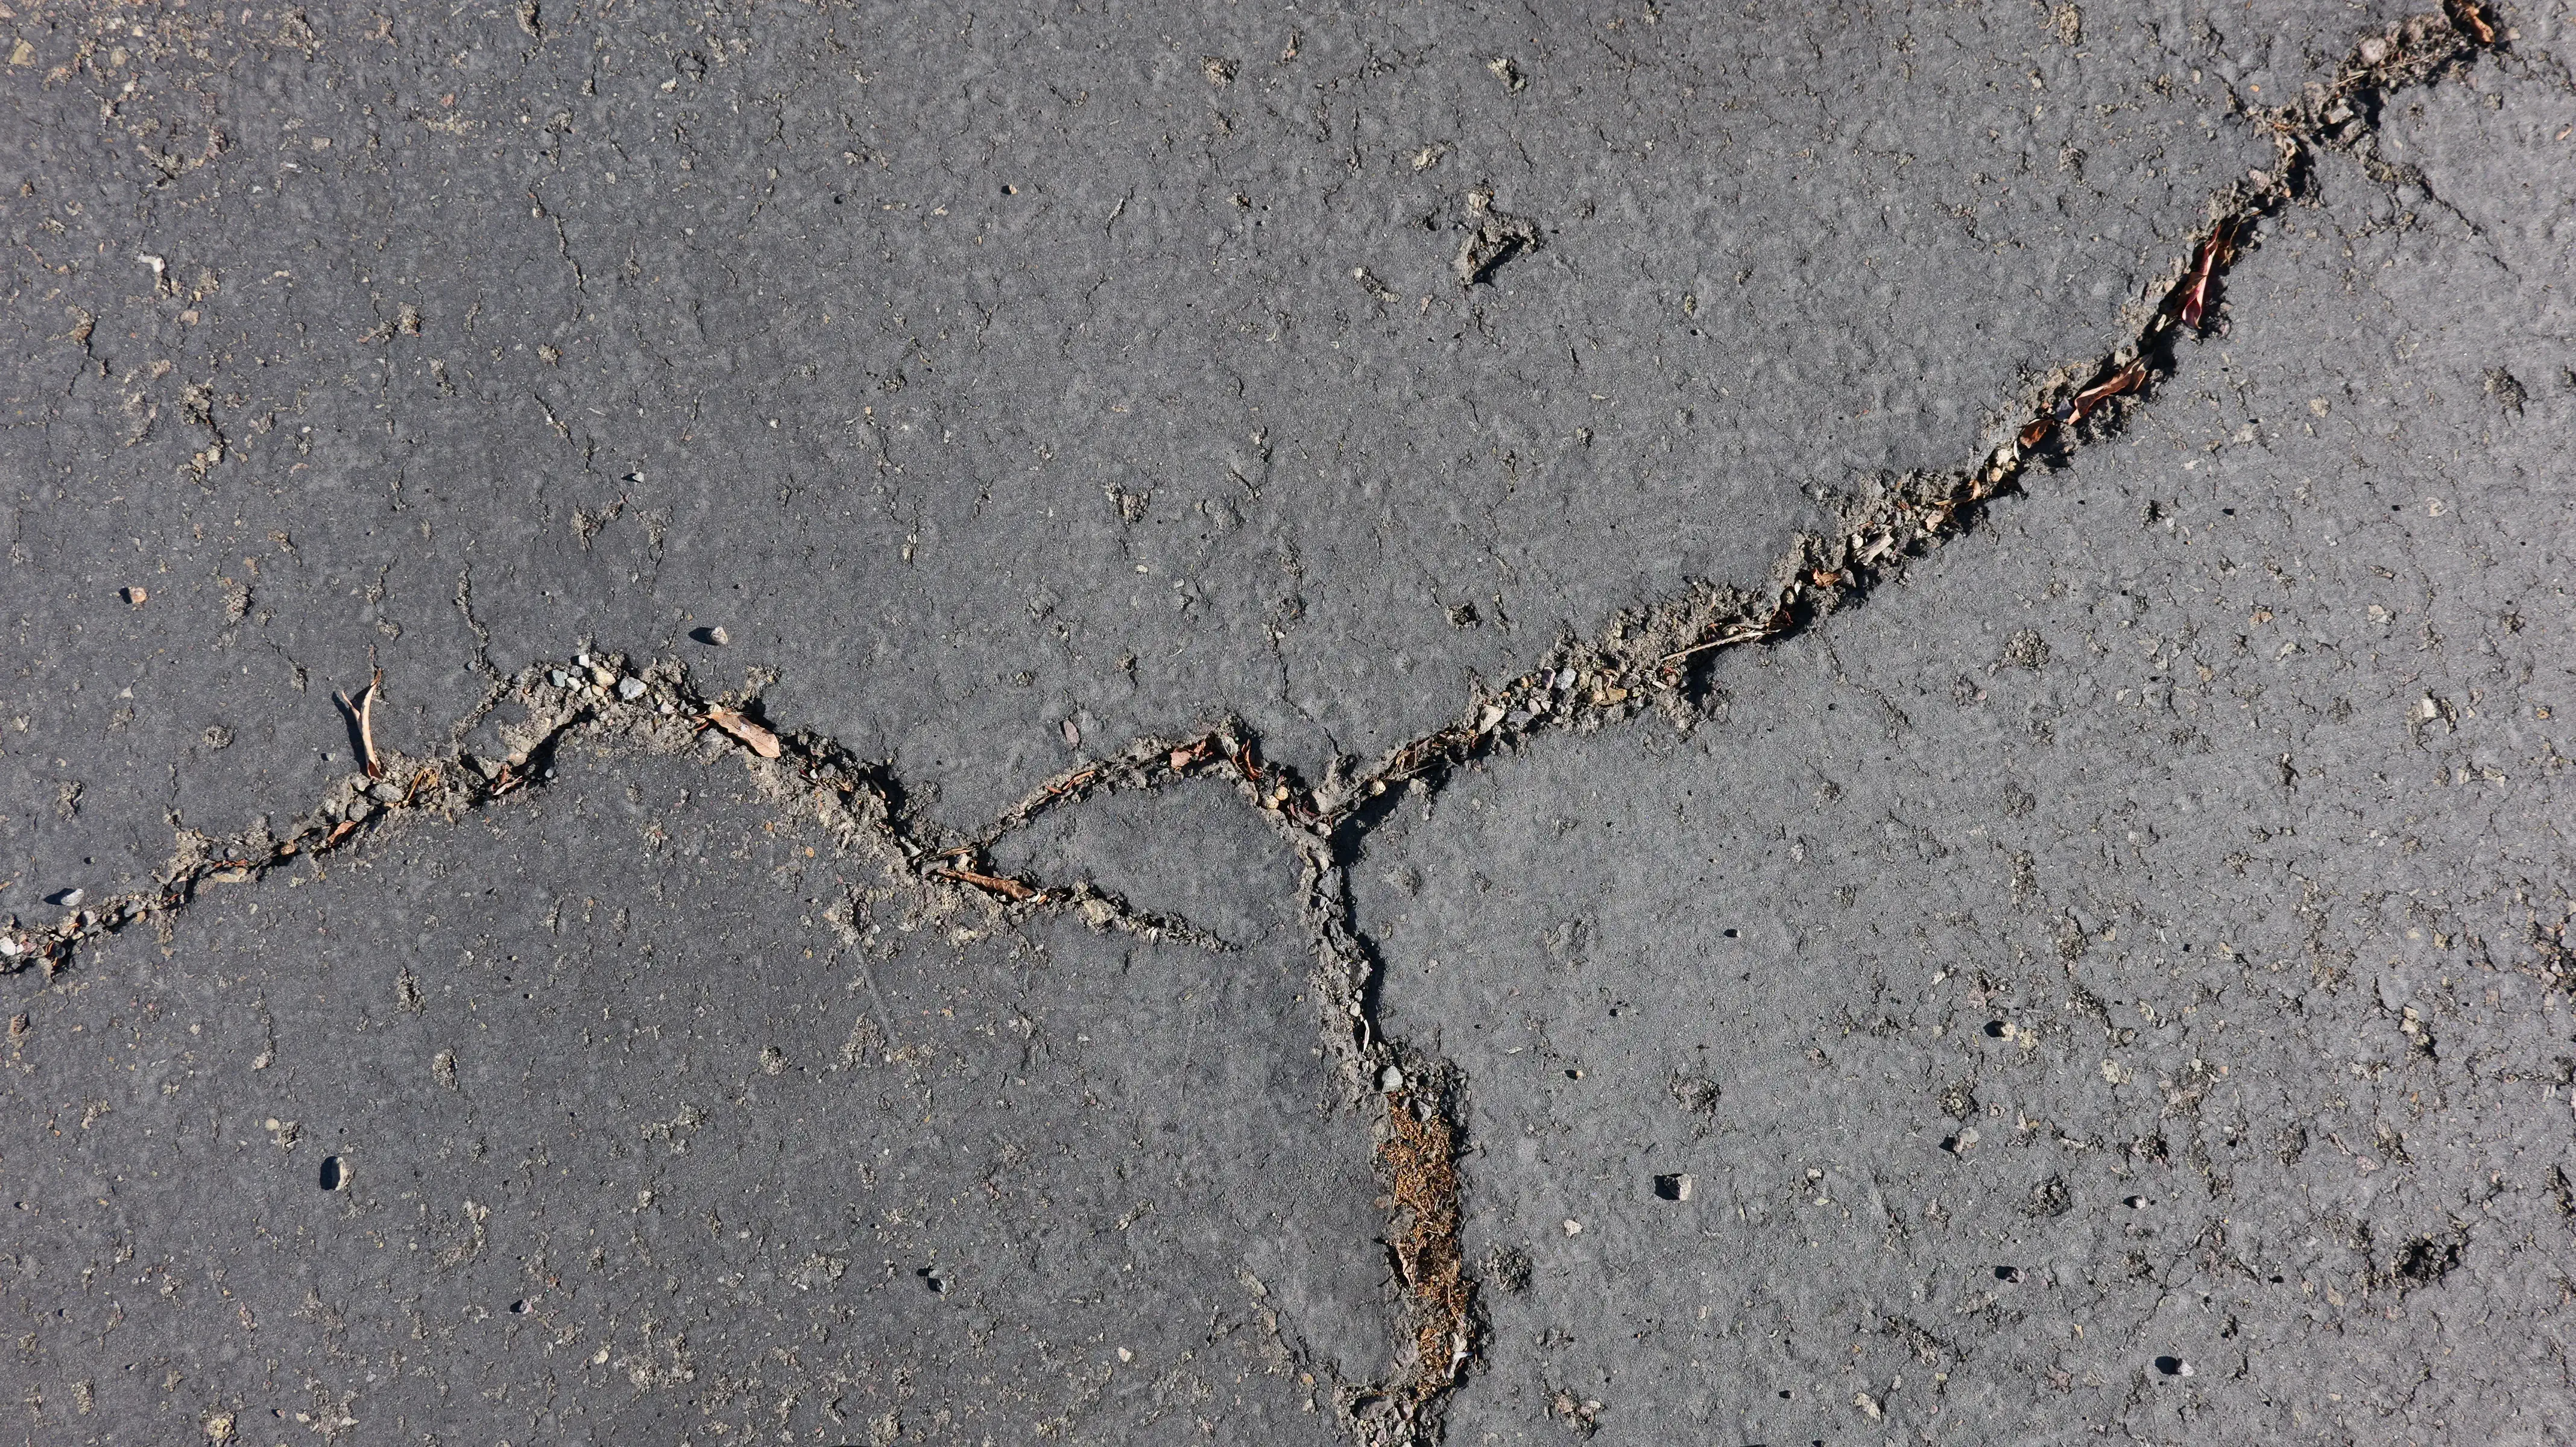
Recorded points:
(1418, 1154)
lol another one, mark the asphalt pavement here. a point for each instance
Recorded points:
(860, 725)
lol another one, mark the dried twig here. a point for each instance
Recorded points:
(364, 711)
(1008, 888)
(759, 740)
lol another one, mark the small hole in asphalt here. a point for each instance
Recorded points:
(1730, 934)
(2008, 1273)
(2173, 1366)
(1994, 1029)
(518, 1308)
(333, 1175)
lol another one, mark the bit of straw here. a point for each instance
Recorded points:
(364, 711)
(998, 884)
(759, 740)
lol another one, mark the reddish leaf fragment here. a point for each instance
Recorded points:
(2214, 253)
(755, 738)
(2031, 435)
(2126, 379)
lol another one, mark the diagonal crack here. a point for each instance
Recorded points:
(1655, 659)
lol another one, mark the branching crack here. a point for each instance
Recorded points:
(1650, 659)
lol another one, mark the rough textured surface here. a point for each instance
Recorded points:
(2138, 941)
(978, 378)
(2112, 980)
(582, 1120)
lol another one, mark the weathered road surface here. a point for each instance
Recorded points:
(801, 723)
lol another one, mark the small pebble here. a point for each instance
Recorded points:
(8, 948)
(71, 898)
(1391, 1078)
(601, 676)
(389, 792)
(630, 689)
(717, 637)
(559, 678)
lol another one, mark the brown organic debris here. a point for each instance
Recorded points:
(755, 738)
(2214, 253)
(1003, 885)
(364, 712)
(1419, 1157)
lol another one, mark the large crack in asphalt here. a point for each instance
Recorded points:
(1654, 660)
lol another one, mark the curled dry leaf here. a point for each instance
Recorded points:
(2128, 378)
(755, 738)
(2213, 254)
